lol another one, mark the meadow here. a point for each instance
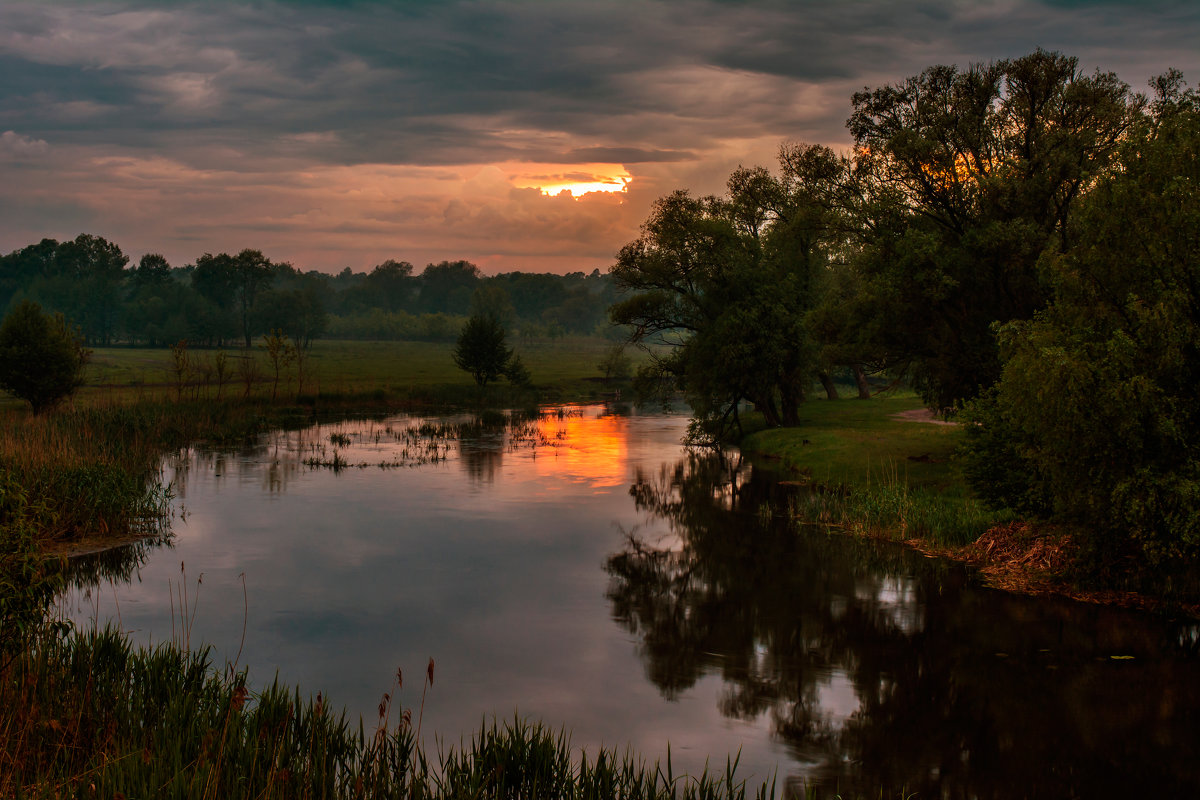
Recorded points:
(878, 467)
(563, 368)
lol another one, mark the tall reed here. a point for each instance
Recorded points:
(891, 509)
(85, 714)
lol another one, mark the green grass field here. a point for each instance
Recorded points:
(900, 476)
(863, 442)
(562, 369)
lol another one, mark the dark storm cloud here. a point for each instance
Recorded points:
(276, 115)
(461, 82)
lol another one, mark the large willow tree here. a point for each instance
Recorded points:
(963, 180)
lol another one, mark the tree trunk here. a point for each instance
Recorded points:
(831, 392)
(767, 406)
(789, 400)
(864, 388)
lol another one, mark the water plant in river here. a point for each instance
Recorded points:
(394, 444)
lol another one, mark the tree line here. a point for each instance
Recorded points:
(227, 299)
(1017, 240)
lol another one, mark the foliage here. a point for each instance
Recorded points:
(281, 353)
(375, 324)
(725, 284)
(616, 363)
(1097, 398)
(516, 373)
(223, 297)
(481, 350)
(962, 181)
(28, 581)
(41, 358)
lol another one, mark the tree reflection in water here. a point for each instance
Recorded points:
(881, 669)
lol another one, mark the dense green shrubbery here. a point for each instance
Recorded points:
(1096, 420)
(27, 579)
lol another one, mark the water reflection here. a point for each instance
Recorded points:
(114, 565)
(881, 669)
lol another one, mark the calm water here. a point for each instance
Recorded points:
(586, 570)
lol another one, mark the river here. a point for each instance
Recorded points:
(584, 569)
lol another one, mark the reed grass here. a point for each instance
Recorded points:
(85, 714)
(896, 511)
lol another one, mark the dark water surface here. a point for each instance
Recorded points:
(585, 570)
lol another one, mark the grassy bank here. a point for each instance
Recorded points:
(877, 467)
(874, 468)
(88, 715)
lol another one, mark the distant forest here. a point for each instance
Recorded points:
(225, 299)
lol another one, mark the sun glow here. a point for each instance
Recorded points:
(577, 179)
(576, 189)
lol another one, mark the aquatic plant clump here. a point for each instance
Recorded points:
(394, 445)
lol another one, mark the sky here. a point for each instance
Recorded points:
(523, 135)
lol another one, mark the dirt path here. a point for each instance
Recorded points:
(921, 415)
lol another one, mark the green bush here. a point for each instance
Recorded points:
(41, 358)
(1096, 421)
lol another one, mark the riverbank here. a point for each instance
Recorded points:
(884, 468)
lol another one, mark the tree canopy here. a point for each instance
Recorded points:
(962, 180)
(1095, 418)
(724, 284)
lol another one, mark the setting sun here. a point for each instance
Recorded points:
(578, 179)
(576, 189)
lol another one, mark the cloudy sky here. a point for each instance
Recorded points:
(342, 134)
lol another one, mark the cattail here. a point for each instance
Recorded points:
(383, 705)
(429, 672)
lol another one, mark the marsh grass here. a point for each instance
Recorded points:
(85, 714)
(897, 511)
(872, 473)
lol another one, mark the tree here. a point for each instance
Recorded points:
(447, 286)
(21, 268)
(84, 283)
(1095, 421)
(492, 300)
(725, 283)
(233, 283)
(41, 358)
(963, 180)
(215, 280)
(152, 270)
(482, 351)
(390, 285)
(615, 364)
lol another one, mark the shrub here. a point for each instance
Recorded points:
(41, 357)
